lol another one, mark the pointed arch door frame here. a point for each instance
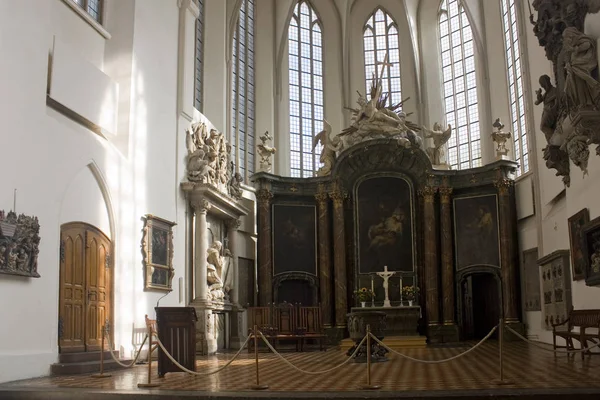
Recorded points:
(85, 288)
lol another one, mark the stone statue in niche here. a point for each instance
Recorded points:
(550, 101)
(208, 156)
(235, 184)
(19, 244)
(217, 290)
(330, 147)
(265, 151)
(437, 153)
(500, 137)
(581, 89)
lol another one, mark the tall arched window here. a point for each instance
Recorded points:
(199, 64)
(460, 86)
(306, 89)
(515, 84)
(380, 39)
(242, 92)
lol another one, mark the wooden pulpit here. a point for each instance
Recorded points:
(176, 328)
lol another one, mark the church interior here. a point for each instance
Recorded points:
(274, 197)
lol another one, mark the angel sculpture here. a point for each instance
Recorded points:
(500, 137)
(265, 151)
(437, 153)
(198, 162)
(330, 147)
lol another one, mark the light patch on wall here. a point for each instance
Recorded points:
(82, 89)
(524, 195)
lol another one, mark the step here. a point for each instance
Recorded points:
(85, 367)
(66, 358)
(393, 342)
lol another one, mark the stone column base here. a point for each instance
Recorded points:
(516, 326)
(335, 335)
(448, 333)
(238, 328)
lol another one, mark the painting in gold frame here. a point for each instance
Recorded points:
(157, 251)
(578, 260)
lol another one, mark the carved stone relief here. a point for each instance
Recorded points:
(19, 242)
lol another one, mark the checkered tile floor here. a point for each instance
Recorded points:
(525, 367)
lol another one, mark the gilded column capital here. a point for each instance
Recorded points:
(503, 185)
(201, 205)
(338, 196)
(428, 193)
(233, 223)
(322, 198)
(264, 197)
(445, 194)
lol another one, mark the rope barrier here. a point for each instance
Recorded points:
(311, 372)
(202, 373)
(565, 352)
(139, 351)
(436, 361)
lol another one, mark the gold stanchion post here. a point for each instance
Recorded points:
(149, 384)
(102, 374)
(501, 381)
(368, 386)
(258, 386)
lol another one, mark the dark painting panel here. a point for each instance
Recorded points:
(294, 239)
(476, 231)
(159, 246)
(385, 221)
(532, 280)
(591, 241)
(578, 260)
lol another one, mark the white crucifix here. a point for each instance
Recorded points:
(383, 64)
(386, 277)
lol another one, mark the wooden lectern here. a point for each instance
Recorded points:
(176, 328)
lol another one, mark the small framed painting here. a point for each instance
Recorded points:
(578, 260)
(157, 251)
(591, 247)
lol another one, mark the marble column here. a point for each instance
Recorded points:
(339, 257)
(447, 255)
(232, 236)
(201, 207)
(324, 256)
(508, 266)
(265, 265)
(431, 271)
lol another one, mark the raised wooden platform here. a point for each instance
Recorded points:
(394, 342)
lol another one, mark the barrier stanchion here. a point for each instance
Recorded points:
(368, 386)
(501, 381)
(258, 386)
(102, 374)
(149, 384)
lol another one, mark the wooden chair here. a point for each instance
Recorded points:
(151, 327)
(311, 326)
(262, 318)
(582, 319)
(285, 321)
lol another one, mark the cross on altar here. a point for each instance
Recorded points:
(386, 277)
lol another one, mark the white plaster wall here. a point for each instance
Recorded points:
(48, 163)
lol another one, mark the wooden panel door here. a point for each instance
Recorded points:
(71, 323)
(97, 286)
(85, 287)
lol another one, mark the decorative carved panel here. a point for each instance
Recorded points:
(555, 275)
(19, 242)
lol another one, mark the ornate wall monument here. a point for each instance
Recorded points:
(19, 241)
(380, 202)
(571, 114)
(213, 190)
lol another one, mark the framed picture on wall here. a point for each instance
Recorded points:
(591, 246)
(578, 260)
(157, 251)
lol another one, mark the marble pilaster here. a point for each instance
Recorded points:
(265, 265)
(201, 207)
(324, 256)
(508, 266)
(339, 257)
(450, 329)
(237, 329)
(431, 273)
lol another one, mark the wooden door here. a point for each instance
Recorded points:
(85, 287)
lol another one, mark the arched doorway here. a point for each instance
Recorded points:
(481, 304)
(85, 295)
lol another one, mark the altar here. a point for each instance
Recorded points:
(400, 321)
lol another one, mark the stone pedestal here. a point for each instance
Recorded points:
(357, 326)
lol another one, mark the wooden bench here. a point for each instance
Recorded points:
(582, 319)
(311, 326)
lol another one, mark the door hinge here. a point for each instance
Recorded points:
(61, 327)
(107, 260)
(62, 251)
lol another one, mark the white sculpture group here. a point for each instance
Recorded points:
(218, 266)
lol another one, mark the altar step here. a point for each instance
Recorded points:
(393, 342)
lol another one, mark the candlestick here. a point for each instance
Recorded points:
(372, 293)
(401, 291)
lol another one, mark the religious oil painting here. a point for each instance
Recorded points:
(384, 225)
(294, 238)
(591, 243)
(578, 260)
(476, 231)
(157, 251)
